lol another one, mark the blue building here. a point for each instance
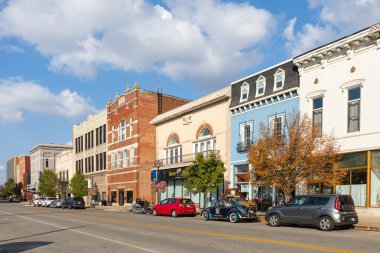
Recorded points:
(268, 97)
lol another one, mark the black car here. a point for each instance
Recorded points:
(233, 210)
(73, 203)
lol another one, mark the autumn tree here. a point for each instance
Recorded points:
(48, 183)
(204, 175)
(299, 153)
(8, 189)
(78, 185)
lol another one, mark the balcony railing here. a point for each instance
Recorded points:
(243, 146)
(184, 158)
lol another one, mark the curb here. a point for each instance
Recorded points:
(367, 228)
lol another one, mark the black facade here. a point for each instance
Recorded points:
(291, 81)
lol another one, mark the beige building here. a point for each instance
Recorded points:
(65, 170)
(90, 153)
(202, 125)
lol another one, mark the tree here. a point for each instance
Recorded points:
(294, 156)
(78, 185)
(17, 189)
(8, 189)
(204, 175)
(48, 183)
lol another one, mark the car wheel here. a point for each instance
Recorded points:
(233, 217)
(204, 215)
(274, 220)
(155, 212)
(325, 223)
(174, 214)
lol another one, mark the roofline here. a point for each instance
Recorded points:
(261, 71)
(51, 145)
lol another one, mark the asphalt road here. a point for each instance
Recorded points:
(37, 229)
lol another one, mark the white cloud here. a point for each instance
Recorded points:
(336, 19)
(11, 48)
(206, 40)
(17, 96)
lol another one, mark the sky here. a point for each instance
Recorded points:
(61, 60)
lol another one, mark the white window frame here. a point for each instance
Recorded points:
(261, 81)
(113, 160)
(170, 154)
(315, 111)
(279, 73)
(113, 134)
(131, 127)
(132, 157)
(125, 160)
(354, 101)
(122, 132)
(242, 132)
(244, 87)
(279, 115)
(119, 159)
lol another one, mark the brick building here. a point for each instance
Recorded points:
(24, 172)
(131, 142)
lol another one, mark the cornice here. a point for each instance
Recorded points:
(343, 48)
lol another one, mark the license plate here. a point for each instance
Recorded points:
(188, 205)
(352, 219)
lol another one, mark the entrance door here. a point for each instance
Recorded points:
(121, 198)
(129, 196)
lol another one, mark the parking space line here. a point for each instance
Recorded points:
(85, 233)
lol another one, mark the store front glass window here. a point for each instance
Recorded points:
(375, 188)
(313, 188)
(178, 189)
(344, 188)
(195, 198)
(163, 195)
(170, 189)
(359, 186)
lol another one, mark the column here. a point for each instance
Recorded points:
(250, 188)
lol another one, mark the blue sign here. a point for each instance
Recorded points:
(153, 175)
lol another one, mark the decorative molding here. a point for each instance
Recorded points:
(352, 84)
(315, 94)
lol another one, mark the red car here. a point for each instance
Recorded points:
(175, 207)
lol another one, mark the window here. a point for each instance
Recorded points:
(174, 155)
(277, 123)
(260, 86)
(131, 127)
(119, 159)
(354, 110)
(317, 115)
(125, 153)
(113, 134)
(46, 163)
(122, 131)
(173, 140)
(104, 161)
(279, 79)
(204, 132)
(131, 157)
(246, 130)
(104, 134)
(297, 201)
(244, 91)
(113, 158)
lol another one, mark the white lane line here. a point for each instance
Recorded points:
(88, 234)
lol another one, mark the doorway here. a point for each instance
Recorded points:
(129, 196)
(121, 198)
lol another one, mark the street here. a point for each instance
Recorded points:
(33, 229)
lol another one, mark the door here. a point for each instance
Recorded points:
(129, 196)
(162, 206)
(292, 211)
(121, 198)
(311, 209)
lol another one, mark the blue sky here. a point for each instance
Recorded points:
(62, 60)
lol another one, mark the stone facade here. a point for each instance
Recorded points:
(131, 142)
(90, 153)
(65, 170)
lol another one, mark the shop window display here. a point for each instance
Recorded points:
(375, 188)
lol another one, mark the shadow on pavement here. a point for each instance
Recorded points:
(44, 233)
(15, 247)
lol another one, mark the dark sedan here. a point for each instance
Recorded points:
(73, 203)
(233, 210)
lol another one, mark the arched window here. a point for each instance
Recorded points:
(204, 132)
(173, 140)
(122, 130)
(279, 79)
(244, 91)
(260, 86)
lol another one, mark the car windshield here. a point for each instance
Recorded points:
(346, 200)
(187, 201)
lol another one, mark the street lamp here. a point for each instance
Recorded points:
(158, 164)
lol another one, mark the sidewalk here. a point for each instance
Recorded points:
(369, 219)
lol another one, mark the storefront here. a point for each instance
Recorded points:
(175, 189)
(362, 181)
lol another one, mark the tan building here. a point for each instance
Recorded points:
(90, 153)
(24, 173)
(202, 125)
(65, 170)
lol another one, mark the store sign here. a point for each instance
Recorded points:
(244, 188)
(171, 174)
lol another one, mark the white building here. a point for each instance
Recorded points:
(90, 152)
(65, 169)
(42, 157)
(339, 90)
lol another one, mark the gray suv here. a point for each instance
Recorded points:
(324, 211)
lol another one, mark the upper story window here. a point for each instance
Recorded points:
(317, 115)
(246, 130)
(173, 140)
(132, 157)
(204, 132)
(354, 110)
(244, 92)
(205, 141)
(260, 86)
(277, 123)
(122, 130)
(113, 134)
(131, 127)
(279, 80)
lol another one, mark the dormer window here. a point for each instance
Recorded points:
(279, 80)
(244, 91)
(260, 86)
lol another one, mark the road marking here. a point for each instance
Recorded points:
(87, 234)
(201, 232)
